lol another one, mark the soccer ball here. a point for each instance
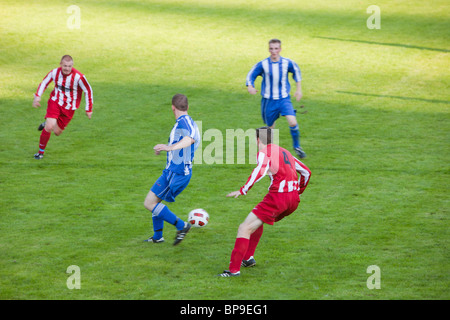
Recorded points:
(198, 218)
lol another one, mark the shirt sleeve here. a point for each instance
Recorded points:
(263, 165)
(86, 87)
(187, 128)
(295, 70)
(253, 74)
(44, 84)
(305, 174)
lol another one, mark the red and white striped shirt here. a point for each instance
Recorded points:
(67, 91)
(282, 168)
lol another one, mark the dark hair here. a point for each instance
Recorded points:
(264, 134)
(66, 57)
(275, 41)
(180, 102)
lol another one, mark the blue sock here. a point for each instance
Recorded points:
(295, 133)
(158, 222)
(165, 214)
(158, 225)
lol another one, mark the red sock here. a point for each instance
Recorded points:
(45, 136)
(240, 247)
(254, 240)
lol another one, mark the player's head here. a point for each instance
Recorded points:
(264, 135)
(180, 102)
(275, 41)
(274, 48)
(66, 64)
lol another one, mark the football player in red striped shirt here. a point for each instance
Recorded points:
(64, 100)
(282, 199)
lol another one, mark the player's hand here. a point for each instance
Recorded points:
(160, 147)
(251, 90)
(298, 95)
(36, 102)
(234, 194)
(89, 114)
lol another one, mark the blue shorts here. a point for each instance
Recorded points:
(170, 184)
(272, 109)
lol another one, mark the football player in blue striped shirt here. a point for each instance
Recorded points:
(275, 90)
(183, 141)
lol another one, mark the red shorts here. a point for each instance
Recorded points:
(62, 115)
(275, 206)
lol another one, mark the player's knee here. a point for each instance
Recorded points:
(244, 231)
(292, 122)
(49, 127)
(57, 130)
(149, 205)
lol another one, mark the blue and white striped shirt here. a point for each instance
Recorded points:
(275, 83)
(180, 161)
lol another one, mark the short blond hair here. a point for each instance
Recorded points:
(66, 57)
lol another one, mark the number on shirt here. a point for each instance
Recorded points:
(286, 159)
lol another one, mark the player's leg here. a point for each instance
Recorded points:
(263, 212)
(50, 123)
(150, 202)
(56, 120)
(53, 112)
(249, 226)
(269, 112)
(287, 110)
(63, 121)
(246, 229)
(178, 183)
(249, 260)
(264, 103)
(166, 188)
(164, 213)
(294, 129)
(268, 211)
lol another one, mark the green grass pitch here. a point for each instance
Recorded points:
(376, 134)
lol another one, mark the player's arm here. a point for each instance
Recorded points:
(251, 77)
(297, 76)
(234, 194)
(183, 143)
(41, 88)
(36, 101)
(305, 175)
(87, 89)
(257, 174)
(251, 89)
(298, 92)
